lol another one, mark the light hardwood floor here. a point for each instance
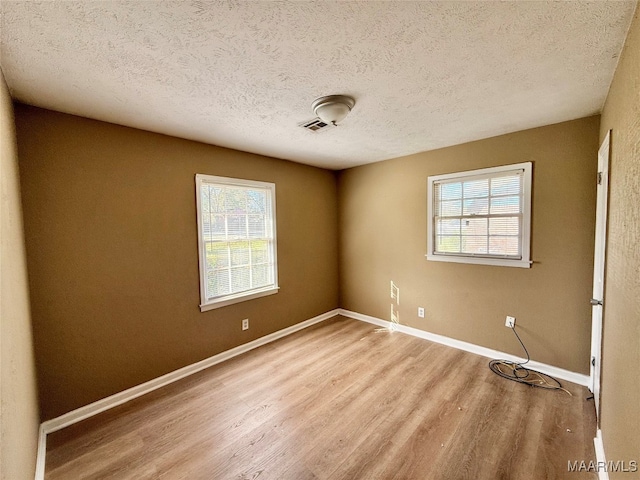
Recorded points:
(336, 401)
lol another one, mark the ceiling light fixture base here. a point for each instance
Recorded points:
(333, 108)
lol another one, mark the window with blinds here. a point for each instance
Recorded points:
(481, 216)
(236, 240)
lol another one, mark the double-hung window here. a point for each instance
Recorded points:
(480, 216)
(236, 240)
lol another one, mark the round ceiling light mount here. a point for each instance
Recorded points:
(333, 108)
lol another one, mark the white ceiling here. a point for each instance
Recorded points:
(243, 74)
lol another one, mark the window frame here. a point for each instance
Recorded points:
(229, 299)
(484, 259)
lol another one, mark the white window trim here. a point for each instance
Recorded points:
(223, 301)
(525, 261)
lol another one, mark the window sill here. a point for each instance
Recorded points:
(237, 298)
(501, 262)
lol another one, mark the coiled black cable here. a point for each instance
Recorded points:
(517, 372)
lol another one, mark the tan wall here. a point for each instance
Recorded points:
(19, 416)
(383, 237)
(112, 253)
(620, 395)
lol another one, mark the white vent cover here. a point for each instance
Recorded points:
(316, 125)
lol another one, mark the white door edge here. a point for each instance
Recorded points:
(599, 269)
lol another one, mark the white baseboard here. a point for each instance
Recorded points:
(556, 372)
(94, 408)
(112, 401)
(42, 452)
(600, 457)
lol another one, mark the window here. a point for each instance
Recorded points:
(481, 216)
(236, 240)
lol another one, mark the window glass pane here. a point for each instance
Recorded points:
(482, 213)
(257, 201)
(450, 208)
(505, 205)
(260, 275)
(259, 251)
(256, 226)
(216, 227)
(474, 226)
(240, 279)
(506, 185)
(206, 225)
(218, 283)
(204, 200)
(235, 200)
(450, 191)
(239, 253)
(504, 246)
(217, 255)
(474, 244)
(476, 188)
(448, 244)
(504, 226)
(448, 227)
(476, 206)
(237, 226)
(215, 197)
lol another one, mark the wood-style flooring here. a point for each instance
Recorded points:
(338, 401)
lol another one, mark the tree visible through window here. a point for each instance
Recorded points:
(236, 225)
(481, 216)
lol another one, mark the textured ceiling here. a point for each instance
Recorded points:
(243, 74)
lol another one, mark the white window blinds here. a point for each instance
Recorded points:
(236, 238)
(481, 214)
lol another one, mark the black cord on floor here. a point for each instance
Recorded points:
(519, 373)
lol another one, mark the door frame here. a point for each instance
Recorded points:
(597, 299)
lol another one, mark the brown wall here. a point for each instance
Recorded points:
(620, 395)
(383, 237)
(19, 416)
(112, 253)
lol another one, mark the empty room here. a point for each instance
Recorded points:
(320, 240)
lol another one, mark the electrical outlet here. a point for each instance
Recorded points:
(245, 324)
(421, 312)
(510, 322)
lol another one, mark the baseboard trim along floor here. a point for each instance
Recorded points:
(573, 377)
(112, 401)
(600, 456)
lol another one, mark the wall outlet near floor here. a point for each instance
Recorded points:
(245, 324)
(510, 322)
(421, 312)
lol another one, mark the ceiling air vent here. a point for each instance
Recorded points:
(316, 125)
